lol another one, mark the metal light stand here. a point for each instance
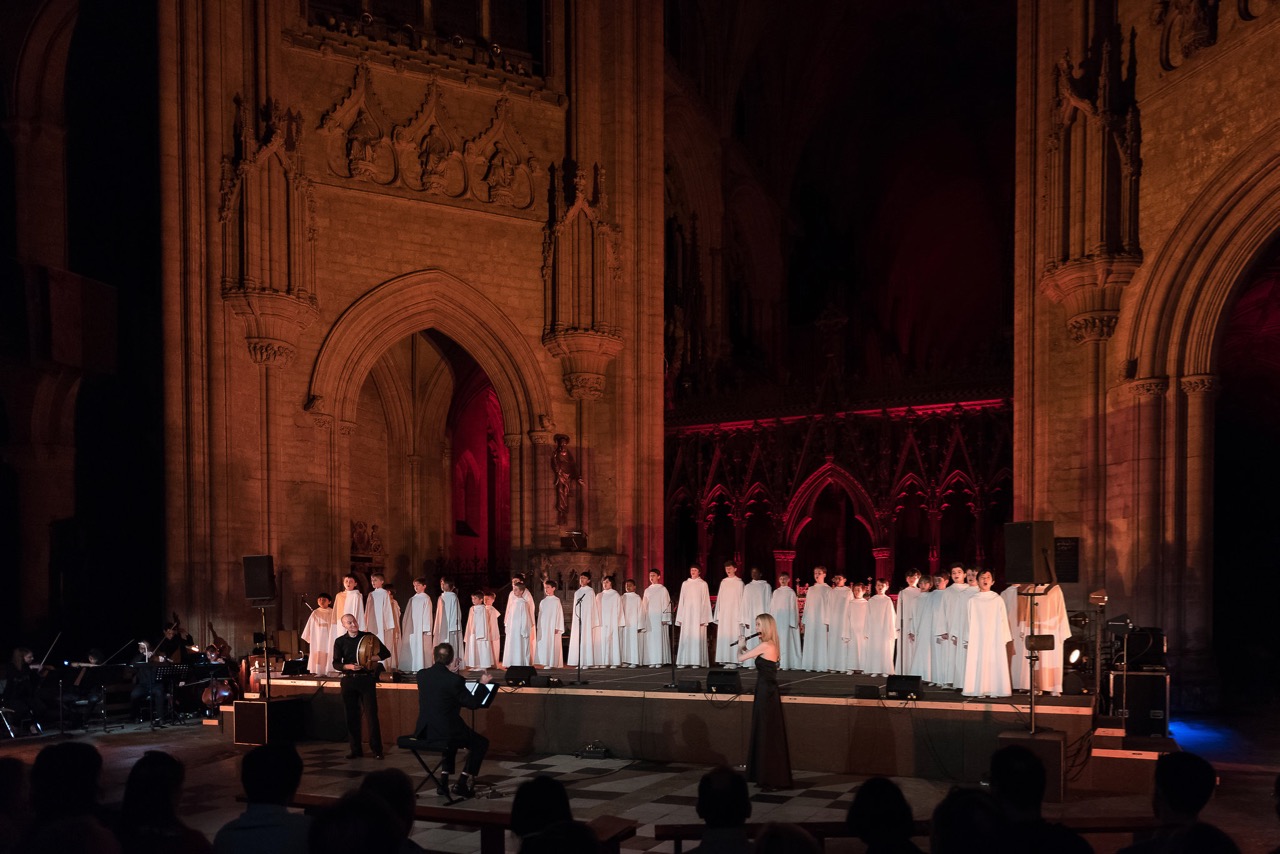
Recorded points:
(674, 684)
(577, 612)
(1034, 646)
(266, 654)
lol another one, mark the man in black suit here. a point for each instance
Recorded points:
(441, 694)
(359, 686)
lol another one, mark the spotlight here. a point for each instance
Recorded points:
(1098, 597)
(1075, 653)
(1120, 626)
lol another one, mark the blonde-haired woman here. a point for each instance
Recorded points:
(768, 760)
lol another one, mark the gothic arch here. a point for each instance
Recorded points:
(428, 299)
(808, 492)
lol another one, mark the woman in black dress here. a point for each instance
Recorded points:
(768, 760)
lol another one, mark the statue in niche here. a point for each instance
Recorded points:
(566, 471)
(431, 156)
(501, 177)
(361, 139)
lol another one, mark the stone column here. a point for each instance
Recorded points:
(1194, 592)
(884, 562)
(520, 541)
(935, 541)
(538, 495)
(1093, 330)
(782, 561)
(1147, 590)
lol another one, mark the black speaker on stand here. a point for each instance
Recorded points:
(260, 590)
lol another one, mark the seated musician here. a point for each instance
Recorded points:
(146, 687)
(84, 685)
(214, 655)
(22, 680)
(441, 694)
(171, 647)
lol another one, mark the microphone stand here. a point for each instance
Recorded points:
(671, 624)
(577, 609)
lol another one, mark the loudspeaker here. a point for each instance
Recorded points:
(259, 578)
(1146, 709)
(866, 692)
(1026, 545)
(724, 682)
(520, 675)
(1050, 747)
(1146, 648)
(1066, 559)
(903, 688)
(545, 682)
(689, 686)
(263, 721)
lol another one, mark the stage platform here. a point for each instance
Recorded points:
(629, 712)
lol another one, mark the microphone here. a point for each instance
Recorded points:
(747, 638)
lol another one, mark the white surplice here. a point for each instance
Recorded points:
(926, 637)
(882, 631)
(908, 604)
(785, 609)
(582, 628)
(417, 636)
(549, 651)
(521, 629)
(350, 602)
(608, 634)
(816, 619)
(448, 627)
(955, 616)
(730, 619)
(632, 623)
(986, 671)
(692, 615)
(319, 635)
(655, 640)
(855, 631)
(755, 601)
(838, 599)
(477, 650)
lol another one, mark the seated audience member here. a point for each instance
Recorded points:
(149, 822)
(270, 775)
(562, 837)
(781, 838)
(1201, 838)
(881, 817)
(66, 816)
(539, 803)
(14, 813)
(967, 820)
(1183, 786)
(395, 789)
(1018, 783)
(358, 822)
(724, 807)
(1275, 795)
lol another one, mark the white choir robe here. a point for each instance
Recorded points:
(318, 633)
(1016, 607)
(954, 613)
(730, 619)
(692, 615)
(755, 601)
(549, 650)
(608, 634)
(350, 602)
(1053, 620)
(816, 618)
(855, 633)
(882, 631)
(986, 670)
(786, 613)
(416, 638)
(521, 629)
(926, 637)
(495, 637)
(838, 599)
(632, 623)
(654, 640)
(908, 605)
(477, 650)
(585, 619)
(448, 627)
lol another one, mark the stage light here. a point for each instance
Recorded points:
(1075, 653)
(1120, 625)
(1098, 597)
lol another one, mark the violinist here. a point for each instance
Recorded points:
(84, 684)
(170, 648)
(214, 655)
(146, 687)
(22, 679)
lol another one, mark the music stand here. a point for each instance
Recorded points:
(671, 651)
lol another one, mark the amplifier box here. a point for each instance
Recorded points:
(264, 721)
(1142, 700)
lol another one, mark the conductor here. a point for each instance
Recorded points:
(441, 694)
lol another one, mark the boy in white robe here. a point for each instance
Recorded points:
(318, 633)
(416, 629)
(379, 616)
(986, 672)
(349, 601)
(815, 621)
(882, 631)
(755, 601)
(920, 658)
(521, 628)
(692, 615)
(837, 644)
(608, 635)
(955, 613)
(1017, 607)
(549, 650)
(1052, 619)
(477, 650)
(495, 638)
(654, 637)
(448, 627)
(731, 621)
(585, 619)
(785, 609)
(855, 630)
(397, 616)
(632, 624)
(908, 602)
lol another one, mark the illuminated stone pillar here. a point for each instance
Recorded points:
(884, 562)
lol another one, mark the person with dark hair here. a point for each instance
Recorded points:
(539, 803)
(149, 822)
(395, 789)
(782, 838)
(441, 694)
(1018, 784)
(66, 817)
(563, 837)
(724, 807)
(1184, 783)
(881, 817)
(967, 820)
(14, 813)
(270, 774)
(358, 822)
(1275, 796)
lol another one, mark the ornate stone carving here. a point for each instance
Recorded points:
(511, 440)
(1187, 27)
(359, 135)
(347, 428)
(500, 169)
(1149, 388)
(1200, 384)
(270, 353)
(540, 437)
(428, 150)
(324, 422)
(1092, 327)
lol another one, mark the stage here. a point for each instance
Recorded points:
(629, 713)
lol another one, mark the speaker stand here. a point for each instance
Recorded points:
(266, 655)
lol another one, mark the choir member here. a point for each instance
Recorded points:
(656, 643)
(855, 629)
(632, 624)
(379, 616)
(838, 606)
(815, 621)
(882, 631)
(755, 601)
(417, 629)
(608, 635)
(584, 621)
(448, 626)
(786, 614)
(908, 603)
(477, 651)
(350, 601)
(986, 672)
(319, 635)
(549, 651)
(495, 638)
(729, 617)
(951, 629)
(521, 627)
(692, 615)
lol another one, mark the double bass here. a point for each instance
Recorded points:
(224, 648)
(221, 690)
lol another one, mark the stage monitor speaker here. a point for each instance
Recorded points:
(1146, 648)
(1050, 747)
(545, 682)
(1026, 545)
(259, 578)
(866, 692)
(724, 682)
(1066, 559)
(1146, 708)
(520, 676)
(903, 688)
(277, 721)
(689, 686)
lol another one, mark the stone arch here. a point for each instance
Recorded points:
(802, 501)
(428, 299)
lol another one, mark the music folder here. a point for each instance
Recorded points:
(474, 686)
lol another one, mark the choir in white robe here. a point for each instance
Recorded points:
(350, 602)
(816, 618)
(926, 637)
(448, 627)
(608, 632)
(786, 613)
(730, 619)
(838, 599)
(318, 633)
(1050, 619)
(955, 616)
(416, 638)
(520, 631)
(494, 633)
(655, 640)
(986, 671)
(477, 650)
(632, 623)
(584, 620)
(380, 618)
(549, 651)
(692, 615)
(908, 605)
(1016, 607)
(854, 632)
(882, 631)
(755, 601)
